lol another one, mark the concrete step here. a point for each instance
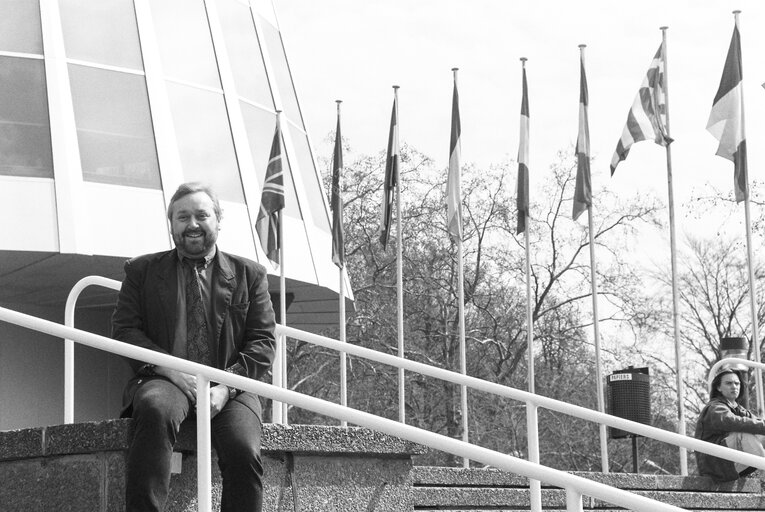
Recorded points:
(458, 489)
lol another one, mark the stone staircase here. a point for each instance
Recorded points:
(311, 468)
(484, 490)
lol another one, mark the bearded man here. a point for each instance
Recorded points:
(201, 304)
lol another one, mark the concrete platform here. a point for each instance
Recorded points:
(80, 467)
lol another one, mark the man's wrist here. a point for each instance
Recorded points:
(148, 370)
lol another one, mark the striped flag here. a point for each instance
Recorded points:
(391, 177)
(522, 199)
(726, 122)
(272, 201)
(647, 118)
(453, 185)
(583, 190)
(338, 236)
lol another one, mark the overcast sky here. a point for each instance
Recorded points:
(356, 50)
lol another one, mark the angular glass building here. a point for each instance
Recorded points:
(105, 107)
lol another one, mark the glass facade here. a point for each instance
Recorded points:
(282, 77)
(244, 53)
(204, 139)
(101, 33)
(25, 148)
(185, 45)
(118, 89)
(114, 129)
(20, 29)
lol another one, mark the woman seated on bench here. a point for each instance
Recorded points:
(726, 422)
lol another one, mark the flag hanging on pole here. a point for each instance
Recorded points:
(583, 190)
(726, 121)
(338, 236)
(272, 201)
(522, 199)
(453, 185)
(391, 176)
(647, 119)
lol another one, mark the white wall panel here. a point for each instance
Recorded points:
(32, 206)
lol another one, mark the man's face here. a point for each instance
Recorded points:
(729, 386)
(194, 225)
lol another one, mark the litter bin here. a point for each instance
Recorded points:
(629, 397)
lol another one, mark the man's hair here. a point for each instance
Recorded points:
(714, 392)
(191, 188)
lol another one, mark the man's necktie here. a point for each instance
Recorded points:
(196, 319)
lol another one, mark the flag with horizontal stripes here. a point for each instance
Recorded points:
(726, 121)
(453, 183)
(647, 119)
(338, 236)
(391, 177)
(583, 190)
(272, 201)
(522, 198)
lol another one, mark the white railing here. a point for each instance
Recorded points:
(575, 486)
(533, 401)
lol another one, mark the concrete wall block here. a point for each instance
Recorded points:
(74, 483)
(338, 483)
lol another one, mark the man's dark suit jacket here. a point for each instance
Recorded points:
(242, 313)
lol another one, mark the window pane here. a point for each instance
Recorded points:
(24, 125)
(204, 140)
(310, 181)
(184, 40)
(282, 77)
(260, 134)
(244, 53)
(114, 130)
(103, 32)
(20, 26)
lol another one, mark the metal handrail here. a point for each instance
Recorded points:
(574, 485)
(69, 310)
(533, 401)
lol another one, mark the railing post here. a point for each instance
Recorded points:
(276, 380)
(68, 381)
(532, 428)
(204, 446)
(573, 500)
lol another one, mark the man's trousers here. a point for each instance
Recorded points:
(158, 410)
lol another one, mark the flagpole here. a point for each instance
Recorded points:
(750, 261)
(341, 304)
(461, 314)
(532, 421)
(679, 383)
(460, 274)
(277, 379)
(596, 324)
(529, 315)
(399, 282)
(282, 293)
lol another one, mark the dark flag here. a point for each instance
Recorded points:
(272, 201)
(391, 177)
(338, 237)
(453, 188)
(522, 200)
(583, 190)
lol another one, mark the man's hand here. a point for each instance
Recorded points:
(185, 382)
(218, 399)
